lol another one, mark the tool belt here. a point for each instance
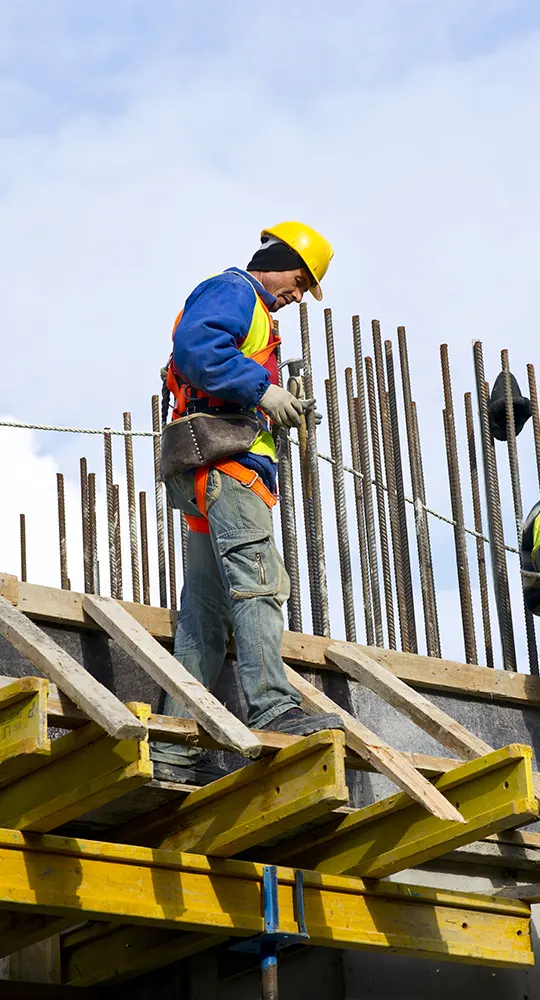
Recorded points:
(205, 435)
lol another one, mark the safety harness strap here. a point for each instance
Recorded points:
(250, 479)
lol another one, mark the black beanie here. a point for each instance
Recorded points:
(277, 256)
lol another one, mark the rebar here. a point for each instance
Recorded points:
(184, 533)
(338, 481)
(144, 548)
(513, 463)
(360, 513)
(381, 509)
(117, 540)
(160, 514)
(456, 499)
(314, 505)
(388, 453)
(533, 393)
(132, 511)
(62, 540)
(172, 558)
(92, 529)
(495, 525)
(423, 541)
(367, 493)
(85, 516)
(289, 535)
(477, 512)
(22, 533)
(109, 476)
(400, 496)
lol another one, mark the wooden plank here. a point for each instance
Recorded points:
(410, 703)
(9, 588)
(381, 839)
(84, 770)
(114, 882)
(97, 701)
(20, 930)
(263, 800)
(171, 675)
(382, 756)
(23, 726)
(64, 607)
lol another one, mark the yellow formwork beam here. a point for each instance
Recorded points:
(23, 726)
(492, 793)
(119, 883)
(263, 800)
(85, 770)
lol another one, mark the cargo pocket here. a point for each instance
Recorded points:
(251, 565)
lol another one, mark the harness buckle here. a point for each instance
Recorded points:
(252, 481)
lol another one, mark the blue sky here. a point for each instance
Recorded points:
(143, 146)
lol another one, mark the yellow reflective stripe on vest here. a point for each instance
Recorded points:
(536, 540)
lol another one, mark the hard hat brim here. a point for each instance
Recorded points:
(316, 291)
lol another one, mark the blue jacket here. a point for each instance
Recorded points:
(216, 318)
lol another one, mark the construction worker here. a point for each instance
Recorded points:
(530, 560)
(219, 465)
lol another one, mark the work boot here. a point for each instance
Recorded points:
(497, 407)
(210, 766)
(296, 722)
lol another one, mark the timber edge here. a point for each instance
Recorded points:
(65, 607)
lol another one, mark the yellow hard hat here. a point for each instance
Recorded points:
(314, 250)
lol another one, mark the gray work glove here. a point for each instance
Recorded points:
(284, 408)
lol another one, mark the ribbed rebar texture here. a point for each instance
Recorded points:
(109, 476)
(367, 492)
(289, 536)
(117, 540)
(22, 536)
(62, 540)
(359, 503)
(381, 508)
(160, 514)
(423, 542)
(460, 540)
(533, 393)
(85, 518)
(338, 480)
(493, 504)
(400, 496)
(313, 502)
(132, 511)
(478, 527)
(518, 505)
(172, 559)
(388, 453)
(184, 533)
(144, 548)
(92, 527)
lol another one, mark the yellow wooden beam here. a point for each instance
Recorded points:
(118, 883)
(23, 726)
(84, 770)
(493, 793)
(263, 800)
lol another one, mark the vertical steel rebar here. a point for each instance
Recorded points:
(92, 536)
(381, 509)
(513, 463)
(388, 452)
(360, 513)
(338, 480)
(172, 558)
(132, 510)
(184, 533)
(160, 514)
(62, 540)
(460, 538)
(144, 548)
(493, 504)
(85, 515)
(367, 492)
(289, 535)
(478, 527)
(315, 499)
(109, 476)
(533, 393)
(117, 540)
(22, 533)
(425, 562)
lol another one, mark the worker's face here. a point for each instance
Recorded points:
(286, 286)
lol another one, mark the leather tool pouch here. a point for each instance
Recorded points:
(202, 438)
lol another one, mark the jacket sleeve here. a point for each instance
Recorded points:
(216, 318)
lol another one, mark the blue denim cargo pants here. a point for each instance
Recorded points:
(235, 581)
